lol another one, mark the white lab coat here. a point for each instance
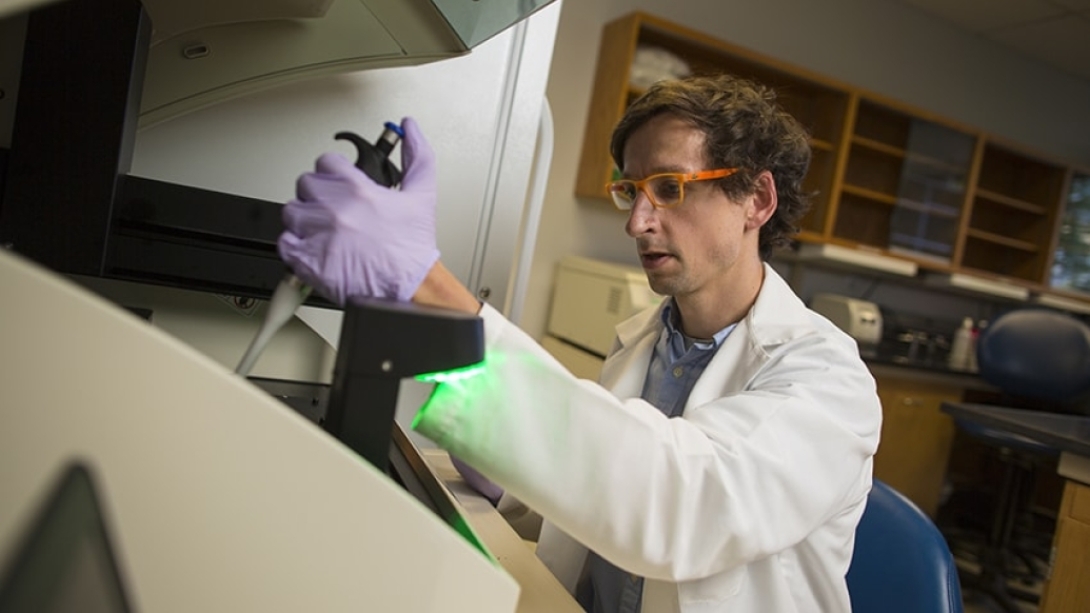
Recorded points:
(747, 502)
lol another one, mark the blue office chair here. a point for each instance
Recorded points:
(901, 562)
(1039, 360)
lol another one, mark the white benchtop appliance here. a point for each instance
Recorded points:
(590, 298)
(861, 319)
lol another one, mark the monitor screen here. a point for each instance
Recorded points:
(65, 562)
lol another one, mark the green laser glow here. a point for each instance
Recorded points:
(462, 528)
(461, 395)
(455, 374)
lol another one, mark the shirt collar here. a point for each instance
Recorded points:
(671, 319)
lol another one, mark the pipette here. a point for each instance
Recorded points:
(291, 292)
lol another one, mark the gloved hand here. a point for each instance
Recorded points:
(477, 481)
(346, 236)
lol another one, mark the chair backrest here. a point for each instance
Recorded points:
(1036, 353)
(901, 563)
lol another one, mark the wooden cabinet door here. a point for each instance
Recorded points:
(1068, 588)
(916, 438)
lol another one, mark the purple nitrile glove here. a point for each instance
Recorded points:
(477, 481)
(347, 236)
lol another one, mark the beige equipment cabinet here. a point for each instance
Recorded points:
(590, 298)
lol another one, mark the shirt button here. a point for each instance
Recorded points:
(678, 371)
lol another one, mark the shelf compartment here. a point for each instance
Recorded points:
(1017, 224)
(875, 197)
(940, 195)
(932, 193)
(916, 229)
(816, 183)
(866, 143)
(1014, 211)
(1002, 241)
(880, 124)
(917, 232)
(874, 170)
(862, 219)
(984, 253)
(1020, 178)
(990, 197)
(947, 149)
(930, 209)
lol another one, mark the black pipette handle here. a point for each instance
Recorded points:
(374, 160)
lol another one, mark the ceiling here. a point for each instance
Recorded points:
(1056, 32)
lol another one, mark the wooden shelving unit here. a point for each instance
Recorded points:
(888, 178)
(1015, 207)
(913, 172)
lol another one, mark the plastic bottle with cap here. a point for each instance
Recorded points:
(977, 331)
(961, 348)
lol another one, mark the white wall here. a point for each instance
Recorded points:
(878, 45)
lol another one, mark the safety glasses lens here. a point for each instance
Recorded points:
(624, 194)
(667, 190)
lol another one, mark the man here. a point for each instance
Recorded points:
(725, 459)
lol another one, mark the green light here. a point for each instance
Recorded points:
(457, 386)
(462, 528)
(455, 374)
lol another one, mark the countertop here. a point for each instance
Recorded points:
(1068, 433)
(885, 366)
(540, 591)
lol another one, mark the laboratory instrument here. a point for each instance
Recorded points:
(153, 213)
(250, 507)
(861, 319)
(291, 292)
(215, 496)
(382, 342)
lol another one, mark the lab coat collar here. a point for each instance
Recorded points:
(625, 369)
(777, 316)
(770, 321)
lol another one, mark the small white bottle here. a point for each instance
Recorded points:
(961, 348)
(977, 331)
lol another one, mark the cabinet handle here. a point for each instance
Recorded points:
(910, 402)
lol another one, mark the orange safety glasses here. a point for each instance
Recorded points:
(664, 191)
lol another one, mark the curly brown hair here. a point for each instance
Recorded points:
(744, 129)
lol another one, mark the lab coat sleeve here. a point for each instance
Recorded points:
(737, 479)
